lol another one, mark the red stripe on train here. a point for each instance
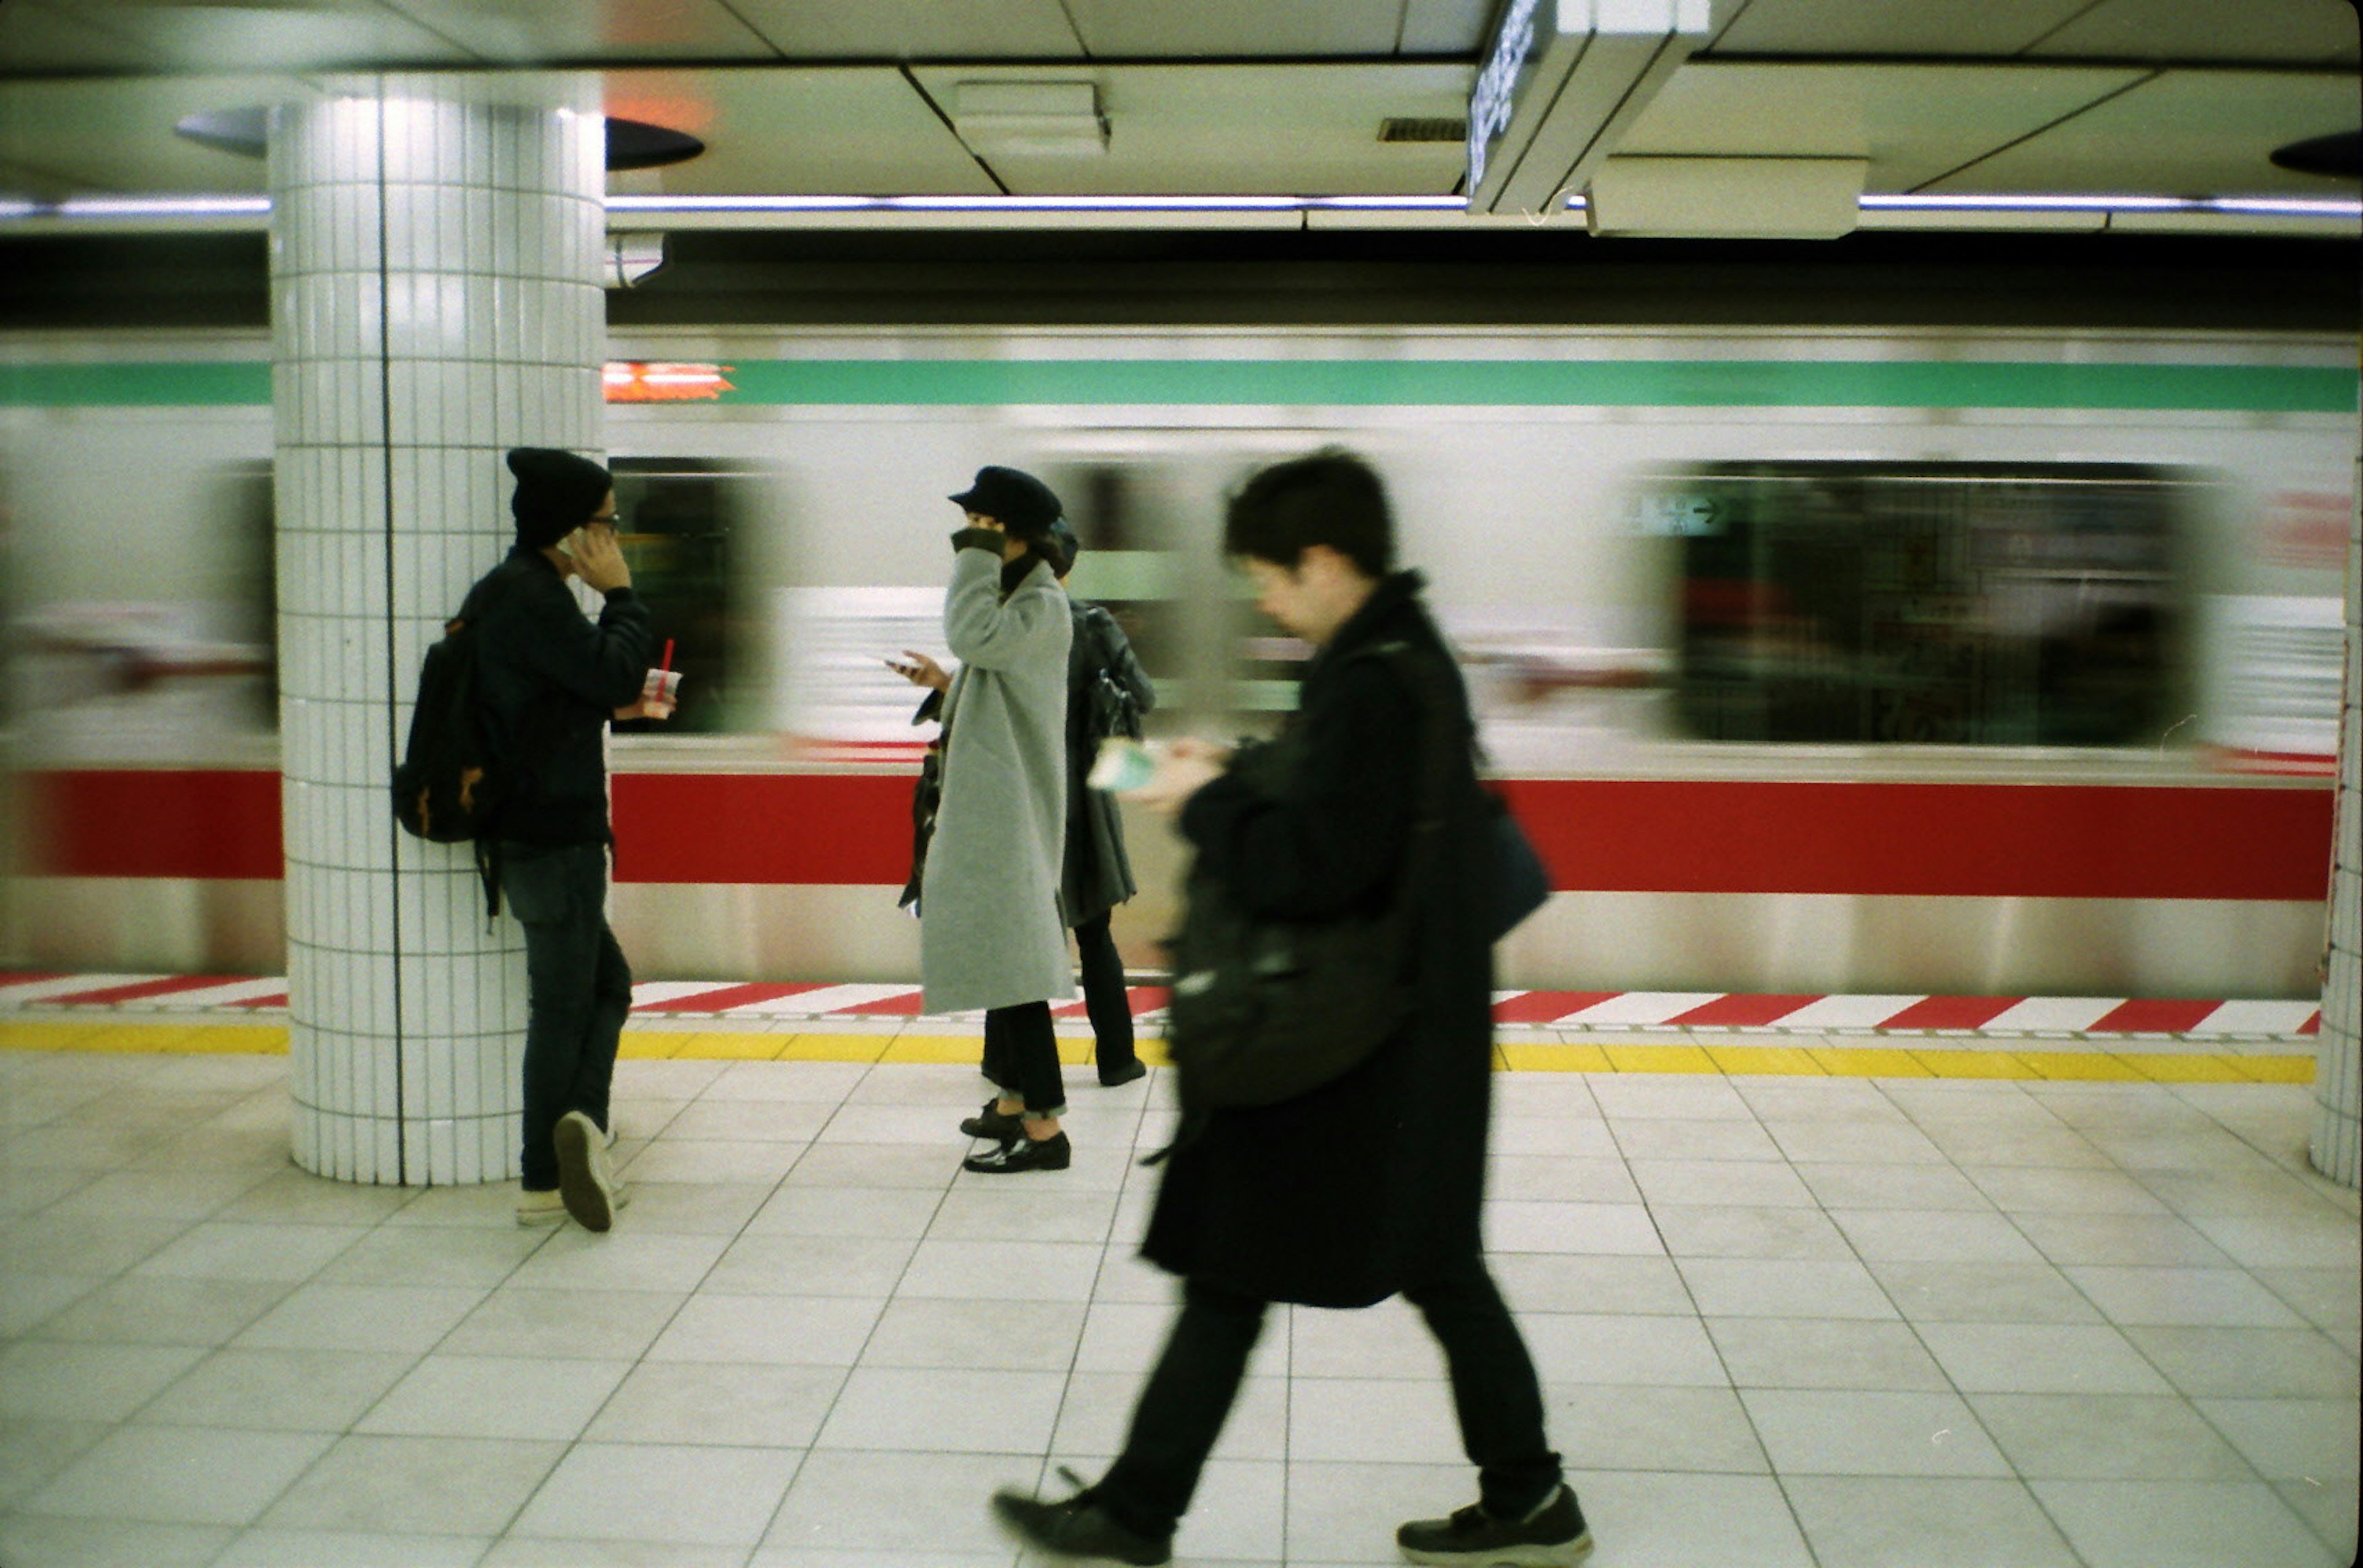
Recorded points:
(1610, 835)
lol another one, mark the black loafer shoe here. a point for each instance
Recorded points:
(1078, 1528)
(990, 1123)
(1131, 1072)
(1553, 1536)
(1051, 1153)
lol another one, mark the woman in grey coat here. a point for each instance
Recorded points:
(990, 935)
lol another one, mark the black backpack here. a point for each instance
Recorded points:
(1111, 708)
(445, 789)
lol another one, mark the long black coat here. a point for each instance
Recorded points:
(1343, 1196)
(1097, 875)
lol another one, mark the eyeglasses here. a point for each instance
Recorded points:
(610, 519)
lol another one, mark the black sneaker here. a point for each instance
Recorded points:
(1051, 1153)
(1078, 1528)
(1553, 1536)
(1131, 1072)
(992, 1123)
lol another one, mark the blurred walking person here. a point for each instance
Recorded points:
(1369, 1186)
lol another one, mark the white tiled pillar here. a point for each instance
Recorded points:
(434, 301)
(2338, 1071)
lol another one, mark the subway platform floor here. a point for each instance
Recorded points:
(1826, 1302)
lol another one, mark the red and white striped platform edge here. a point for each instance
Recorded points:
(888, 1005)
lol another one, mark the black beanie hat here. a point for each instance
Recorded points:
(1022, 503)
(557, 493)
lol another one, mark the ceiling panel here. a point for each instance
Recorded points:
(1237, 29)
(35, 37)
(1891, 26)
(574, 30)
(913, 30)
(1914, 122)
(117, 136)
(272, 35)
(1246, 129)
(1446, 27)
(850, 130)
(2312, 32)
(2188, 133)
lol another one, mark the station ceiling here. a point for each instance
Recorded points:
(2158, 98)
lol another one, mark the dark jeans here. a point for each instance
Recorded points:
(1021, 1057)
(1105, 999)
(582, 990)
(1189, 1395)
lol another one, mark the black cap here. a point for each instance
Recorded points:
(557, 493)
(1021, 503)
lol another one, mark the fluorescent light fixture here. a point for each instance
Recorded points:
(1042, 119)
(662, 205)
(245, 211)
(162, 206)
(2257, 206)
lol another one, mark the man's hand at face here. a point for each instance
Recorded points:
(597, 558)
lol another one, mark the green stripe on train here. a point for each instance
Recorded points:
(1677, 384)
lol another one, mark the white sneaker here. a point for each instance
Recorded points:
(583, 1183)
(541, 1208)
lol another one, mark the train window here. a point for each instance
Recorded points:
(678, 519)
(1943, 604)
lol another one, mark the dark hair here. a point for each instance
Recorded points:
(1330, 497)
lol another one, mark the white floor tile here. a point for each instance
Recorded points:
(86, 1382)
(2151, 1524)
(2049, 1358)
(699, 1497)
(181, 1475)
(779, 1330)
(314, 1390)
(1881, 1521)
(391, 1486)
(267, 1548)
(496, 1397)
(2106, 1437)
(738, 1403)
(944, 1410)
(32, 1541)
(1854, 1432)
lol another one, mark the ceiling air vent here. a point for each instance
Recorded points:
(1424, 130)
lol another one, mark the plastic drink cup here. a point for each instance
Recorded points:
(1122, 764)
(662, 686)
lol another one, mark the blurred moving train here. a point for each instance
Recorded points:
(1897, 661)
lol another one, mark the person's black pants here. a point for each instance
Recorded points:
(1190, 1393)
(1021, 1057)
(581, 991)
(1105, 999)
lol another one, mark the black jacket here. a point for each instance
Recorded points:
(1097, 875)
(1343, 1196)
(549, 681)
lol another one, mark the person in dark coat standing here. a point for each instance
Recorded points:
(1102, 673)
(1369, 1185)
(550, 681)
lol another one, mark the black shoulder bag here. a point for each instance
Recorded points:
(1265, 1009)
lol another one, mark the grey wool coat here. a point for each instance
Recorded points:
(989, 929)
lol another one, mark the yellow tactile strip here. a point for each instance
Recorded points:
(1731, 1059)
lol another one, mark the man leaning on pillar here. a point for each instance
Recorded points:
(549, 680)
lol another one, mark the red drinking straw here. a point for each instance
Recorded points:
(665, 663)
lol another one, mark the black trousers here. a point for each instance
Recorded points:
(581, 991)
(1021, 1057)
(1105, 999)
(1189, 1395)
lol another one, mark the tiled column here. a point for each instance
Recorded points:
(2338, 1071)
(434, 301)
